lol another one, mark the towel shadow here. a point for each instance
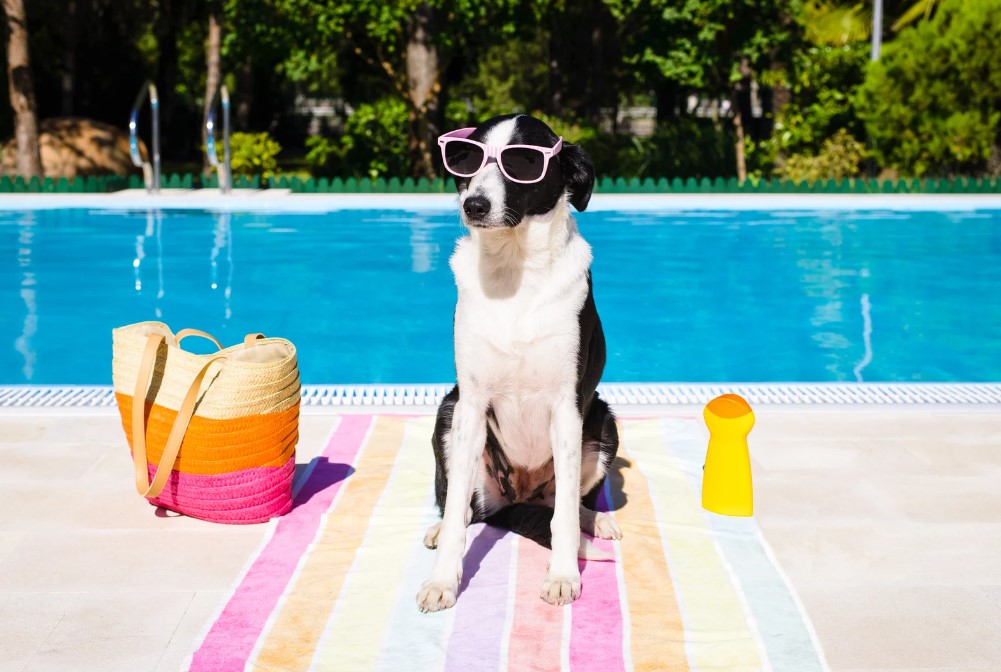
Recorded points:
(615, 482)
(478, 550)
(324, 474)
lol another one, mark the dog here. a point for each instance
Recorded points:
(522, 441)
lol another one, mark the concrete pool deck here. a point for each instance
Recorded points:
(886, 519)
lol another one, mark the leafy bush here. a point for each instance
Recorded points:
(932, 103)
(252, 154)
(839, 158)
(511, 76)
(820, 83)
(374, 143)
(682, 147)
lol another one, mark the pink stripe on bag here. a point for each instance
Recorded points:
(246, 496)
(230, 641)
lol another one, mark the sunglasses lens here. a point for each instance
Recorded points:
(463, 158)
(523, 164)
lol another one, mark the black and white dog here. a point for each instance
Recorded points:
(522, 441)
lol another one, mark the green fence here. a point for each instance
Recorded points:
(604, 185)
(608, 185)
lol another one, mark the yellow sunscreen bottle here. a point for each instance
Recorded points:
(726, 480)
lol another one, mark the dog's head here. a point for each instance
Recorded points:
(489, 199)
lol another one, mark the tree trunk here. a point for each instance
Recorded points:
(244, 95)
(555, 74)
(738, 127)
(22, 91)
(741, 101)
(69, 59)
(423, 91)
(166, 68)
(213, 75)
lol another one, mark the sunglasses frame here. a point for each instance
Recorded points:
(494, 152)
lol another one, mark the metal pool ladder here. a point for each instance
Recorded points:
(151, 174)
(224, 169)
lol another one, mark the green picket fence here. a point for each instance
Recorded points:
(620, 185)
(351, 185)
(50, 185)
(604, 185)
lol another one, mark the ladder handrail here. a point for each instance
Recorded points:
(224, 169)
(151, 175)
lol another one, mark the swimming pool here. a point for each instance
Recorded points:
(367, 295)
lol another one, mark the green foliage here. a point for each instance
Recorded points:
(252, 154)
(374, 143)
(921, 9)
(839, 158)
(700, 43)
(683, 147)
(831, 23)
(932, 103)
(508, 77)
(820, 83)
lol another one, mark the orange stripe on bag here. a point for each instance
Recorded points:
(241, 443)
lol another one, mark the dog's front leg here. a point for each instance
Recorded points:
(466, 440)
(562, 584)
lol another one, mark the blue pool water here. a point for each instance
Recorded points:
(367, 296)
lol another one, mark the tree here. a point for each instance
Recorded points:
(712, 46)
(22, 90)
(213, 71)
(412, 43)
(932, 103)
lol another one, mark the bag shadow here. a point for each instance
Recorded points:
(320, 473)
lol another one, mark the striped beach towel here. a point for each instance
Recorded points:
(333, 585)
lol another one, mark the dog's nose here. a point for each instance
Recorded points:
(476, 207)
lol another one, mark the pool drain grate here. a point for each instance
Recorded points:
(619, 394)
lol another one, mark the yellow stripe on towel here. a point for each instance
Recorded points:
(293, 637)
(715, 619)
(355, 633)
(657, 635)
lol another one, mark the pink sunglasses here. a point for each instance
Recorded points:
(524, 164)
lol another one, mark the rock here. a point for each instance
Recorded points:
(78, 147)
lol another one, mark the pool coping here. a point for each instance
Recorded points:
(618, 394)
(282, 200)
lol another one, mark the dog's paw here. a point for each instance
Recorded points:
(560, 590)
(605, 527)
(431, 536)
(435, 596)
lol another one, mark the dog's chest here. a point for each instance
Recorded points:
(521, 345)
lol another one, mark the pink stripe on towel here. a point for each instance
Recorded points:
(537, 627)
(230, 641)
(596, 626)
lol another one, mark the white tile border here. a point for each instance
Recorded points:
(619, 394)
(281, 200)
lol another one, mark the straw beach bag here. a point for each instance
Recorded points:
(223, 426)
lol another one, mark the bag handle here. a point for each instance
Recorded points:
(177, 431)
(248, 341)
(184, 333)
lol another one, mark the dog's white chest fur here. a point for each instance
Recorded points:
(516, 325)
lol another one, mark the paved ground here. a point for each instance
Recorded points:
(886, 519)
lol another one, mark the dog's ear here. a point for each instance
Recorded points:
(578, 174)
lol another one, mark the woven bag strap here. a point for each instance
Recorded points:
(177, 431)
(184, 333)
